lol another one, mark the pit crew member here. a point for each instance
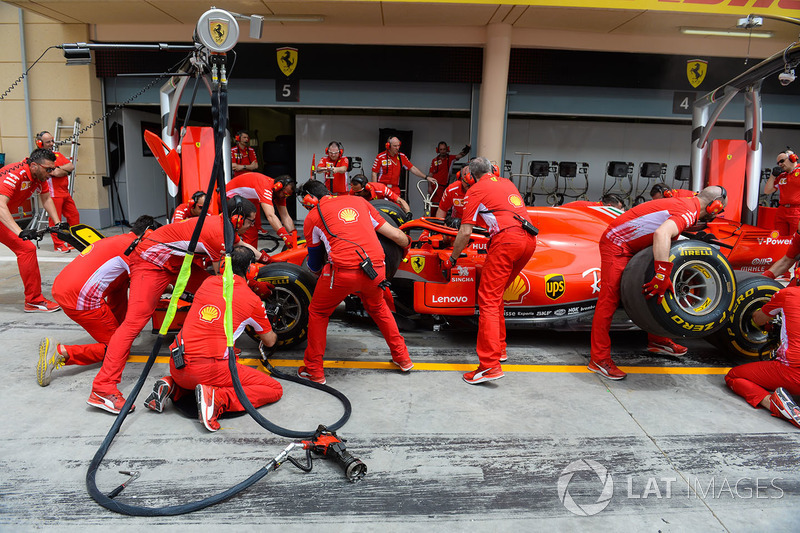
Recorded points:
(660, 190)
(346, 228)
(190, 209)
(93, 291)
(788, 186)
(204, 350)
(792, 256)
(59, 190)
(155, 263)
(18, 181)
(243, 157)
(453, 198)
(498, 203)
(388, 164)
(334, 168)
(771, 384)
(271, 195)
(359, 186)
(440, 168)
(654, 223)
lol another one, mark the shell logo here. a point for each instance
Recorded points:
(348, 215)
(774, 234)
(518, 289)
(87, 249)
(209, 313)
(25, 185)
(515, 200)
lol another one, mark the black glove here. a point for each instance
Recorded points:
(452, 222)
(447, 267)
(63, 226)
(777, 171)
(28, 235)
(409, 216)
(466, 149)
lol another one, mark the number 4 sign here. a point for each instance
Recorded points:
(682, 103)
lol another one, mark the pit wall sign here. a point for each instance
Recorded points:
(789, 8)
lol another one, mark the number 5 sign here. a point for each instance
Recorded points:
(287, 90)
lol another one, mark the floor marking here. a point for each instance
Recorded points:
(460, 367)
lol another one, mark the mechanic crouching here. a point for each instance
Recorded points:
(496, 202)
(345, 227)
(200, 353)
(754, 381)
(655, 223)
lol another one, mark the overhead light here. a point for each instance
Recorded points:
(77, 55)
(294, 18)
(727, 33)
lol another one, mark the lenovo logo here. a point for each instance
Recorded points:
(449, 299)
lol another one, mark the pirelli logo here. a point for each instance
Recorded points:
(696, 251)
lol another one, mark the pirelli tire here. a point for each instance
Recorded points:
(287, 306)
(393, 253)
(739, 336)
(704, 286)
(391, 211)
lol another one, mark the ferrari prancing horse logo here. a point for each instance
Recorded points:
(418, 263)
(287, 60)
(696, 71)
(219, 30)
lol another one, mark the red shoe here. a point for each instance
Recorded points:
(162, 389)
(63, 248)
(666, 346)
(207, 408)
(305, 374)
(486, 374)
(403, 362)
(113, 403)
(504, 357)
(42, 306)
(607, 369)
(782, 405)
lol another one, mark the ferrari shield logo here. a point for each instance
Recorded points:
(418, 263)
(696, 71)
(554, 286)
(219, 30)
(287, 60)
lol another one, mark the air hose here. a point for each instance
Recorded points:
(219, 105)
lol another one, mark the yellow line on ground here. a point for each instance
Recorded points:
(452, 367)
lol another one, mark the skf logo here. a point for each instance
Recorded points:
(696, 71)
(348, 215)
(517, 290)
(417, 263)
(219, 30)
(554, 286)
(515, 200)
(209, 313)
(287, 60)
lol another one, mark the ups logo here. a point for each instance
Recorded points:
(554, 286)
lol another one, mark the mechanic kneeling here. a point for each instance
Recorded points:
(498, 203)
(202, 345)
(345, 227)
(654, 223)
(754, 381)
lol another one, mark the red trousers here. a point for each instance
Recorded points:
(100, 323)
(786, 219)
(438, 194)
(259, 388)
(27, 262)
(332, 287)
(148, 282)
(612, 263)
(507, 254)
(65, 205)
(754, 381)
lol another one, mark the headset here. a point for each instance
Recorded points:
(40, 144)
(791, 155)
(239, 135)
(237, 214)
(195, 198)
(359, 179)
(446, 146)
(466, 177)
(309, 201)
(665, 191)
(282, 182)
(389, 145)
(495, 170)
(337, 143)
(717, 206)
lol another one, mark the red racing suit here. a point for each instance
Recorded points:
(626, 235)
(440, 170)
(257, 188)
(93, 291)
(754, 381)
(388, 168)
(495, 202)
(65, 205)
(453, 197)
(154, 264)
(18, 184)
(205, 345)
(351, 220)
(242, 157)
(336, 183)
(380, 191)
(182, 212)
(788, 215)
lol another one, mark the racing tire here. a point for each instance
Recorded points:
(393, 253)
(391, 211)
(739, 336)
(287, 306)
(704, 291)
